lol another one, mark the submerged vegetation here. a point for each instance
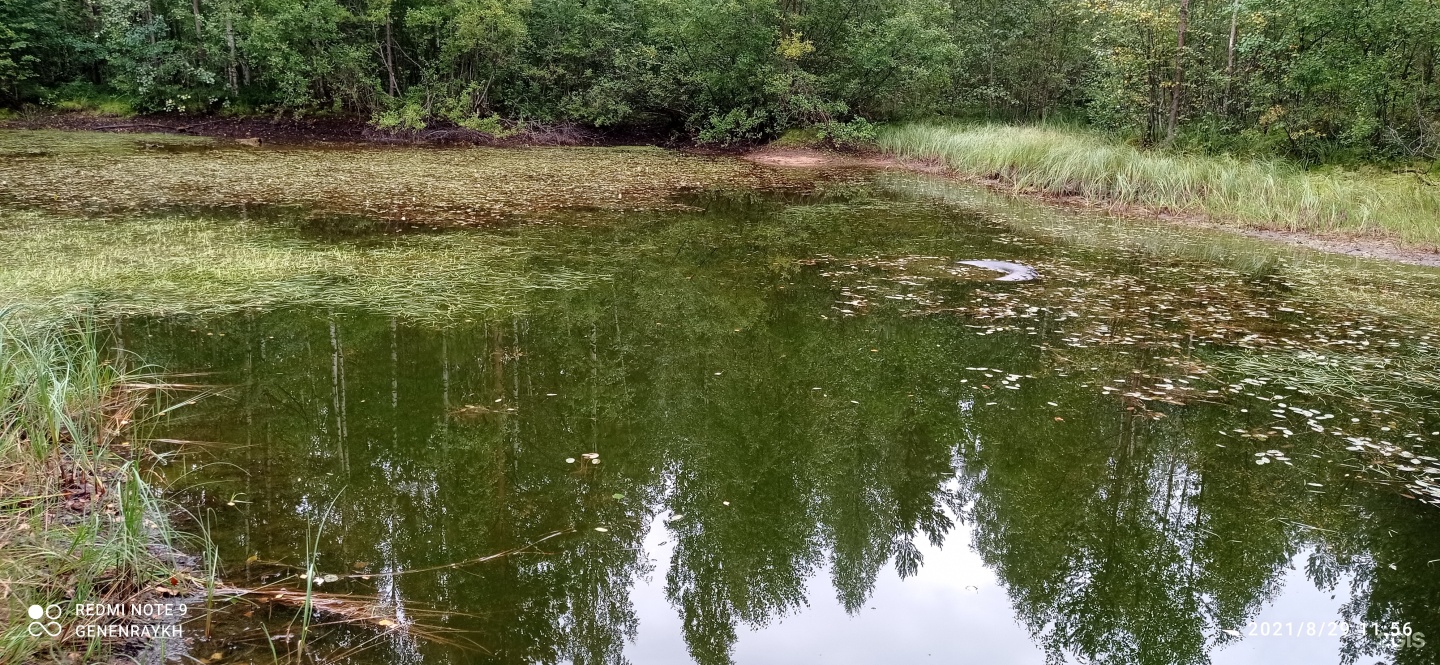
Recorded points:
(1396, 381)
(1263, 194)
(119, 174)
(78, 520)
(149, 224)
(197, 264)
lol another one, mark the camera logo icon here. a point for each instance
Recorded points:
(38, 627)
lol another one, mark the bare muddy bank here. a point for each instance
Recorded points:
(812, 157)
(1369, 247)
(337, 130)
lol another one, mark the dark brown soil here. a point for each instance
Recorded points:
(336, 130)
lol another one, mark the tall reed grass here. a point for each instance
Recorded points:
(1263, 194)
(78, 522)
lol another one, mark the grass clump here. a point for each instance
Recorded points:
(90, 100)
(1265, 194)
(105, 107)
(78, 523)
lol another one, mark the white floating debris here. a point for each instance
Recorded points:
(1014, 272)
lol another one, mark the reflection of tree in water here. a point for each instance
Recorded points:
(1120, 538)
(1112, 537)
(1124, 539)
(421, 488)
(1391, 555)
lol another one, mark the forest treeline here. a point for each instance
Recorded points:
(1315, 79)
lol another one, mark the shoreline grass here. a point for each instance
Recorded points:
(1273, 195)
(78, 521)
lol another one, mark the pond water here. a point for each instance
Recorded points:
(608, 406)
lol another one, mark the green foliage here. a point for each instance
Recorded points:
(83, 97)
(1317, 80)
(16, 62)
(739, 125)
(41, 42)
(409, 115)
(857, 133)
(490, 124)
(728, 72)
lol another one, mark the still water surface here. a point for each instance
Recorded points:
(769, 418)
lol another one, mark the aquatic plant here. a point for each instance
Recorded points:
(97, 173)
(181, 264)
(1267, 194)
(53, 142)
(1398, 381)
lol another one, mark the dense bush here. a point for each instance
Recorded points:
(1316, 79)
